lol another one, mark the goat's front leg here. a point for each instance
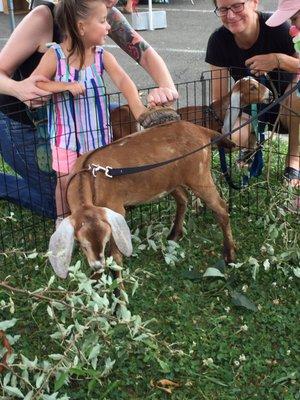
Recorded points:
(181, 199)
(118, 258)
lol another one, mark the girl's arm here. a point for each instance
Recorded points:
(138, 49)
(34, 30)
(124, 83)
(47, 68)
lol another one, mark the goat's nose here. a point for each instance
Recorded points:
(268, 97)
(96, 265)
(271, 97)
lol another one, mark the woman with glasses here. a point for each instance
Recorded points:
(245, 45)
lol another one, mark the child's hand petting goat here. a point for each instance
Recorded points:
(97, 202)
(157, 116)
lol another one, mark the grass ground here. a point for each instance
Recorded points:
(186, 336)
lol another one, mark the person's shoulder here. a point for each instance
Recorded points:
(263, 16)
(50, 53)
(219, 35)
(41, 11)
(280, 28)
(107, 55)
(41, 14)
(220, 32)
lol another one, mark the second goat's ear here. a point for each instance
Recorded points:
(120, 231)
(61, 248)
(232, 112)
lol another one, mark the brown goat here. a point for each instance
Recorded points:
(222, 114)
(97, 203)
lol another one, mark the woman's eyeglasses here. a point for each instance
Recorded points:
(235, 8)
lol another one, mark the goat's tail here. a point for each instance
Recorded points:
(218, 140)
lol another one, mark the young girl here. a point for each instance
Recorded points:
(79, 122)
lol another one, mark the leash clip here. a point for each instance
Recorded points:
(107, 171)
(96, 168)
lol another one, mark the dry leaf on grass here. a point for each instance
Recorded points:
(6, 345)
(165, 384)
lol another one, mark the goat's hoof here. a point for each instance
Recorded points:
(175, 236)
(229, 257)
(117, 293)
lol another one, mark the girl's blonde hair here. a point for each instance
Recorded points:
(67, 13)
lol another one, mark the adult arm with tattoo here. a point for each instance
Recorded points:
(138, 49)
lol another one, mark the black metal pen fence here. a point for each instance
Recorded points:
(27, 181)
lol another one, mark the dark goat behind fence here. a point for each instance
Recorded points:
(23, 229)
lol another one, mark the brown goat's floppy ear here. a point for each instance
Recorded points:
(232, 112)
(120, 231)
(61, 248)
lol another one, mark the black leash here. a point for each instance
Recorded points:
(211, 111)
(113, 172)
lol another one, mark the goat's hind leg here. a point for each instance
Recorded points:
(180, 196)
(210, 195)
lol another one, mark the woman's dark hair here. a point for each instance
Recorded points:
(67, 13)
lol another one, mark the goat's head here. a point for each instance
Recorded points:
(92, 227)
(249, 91)
(246, 91)
(123, 122)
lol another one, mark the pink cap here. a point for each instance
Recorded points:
(286, 9)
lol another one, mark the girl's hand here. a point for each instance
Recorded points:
(258, 65)
(76, 88)
(161, 95)
(29, 93)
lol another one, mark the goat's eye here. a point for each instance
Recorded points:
(252, 87)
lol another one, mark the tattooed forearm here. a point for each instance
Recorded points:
(125, 36)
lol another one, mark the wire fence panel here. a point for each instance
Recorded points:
(28, 182)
